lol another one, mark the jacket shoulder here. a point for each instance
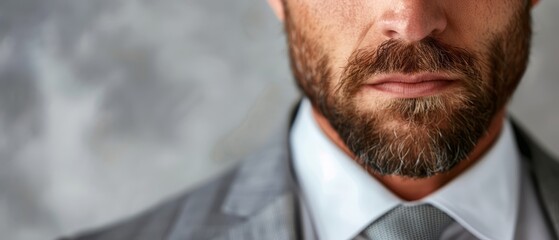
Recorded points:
(158, 221)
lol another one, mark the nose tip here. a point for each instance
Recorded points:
(413, 22)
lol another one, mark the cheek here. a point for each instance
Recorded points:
(334, 24)
(473, 23)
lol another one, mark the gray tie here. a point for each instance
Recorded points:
(421, 222)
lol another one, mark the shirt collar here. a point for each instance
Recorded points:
(485, 198)
(344, 199)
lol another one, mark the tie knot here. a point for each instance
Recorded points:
(423, 222)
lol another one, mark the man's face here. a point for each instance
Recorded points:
(409, 85)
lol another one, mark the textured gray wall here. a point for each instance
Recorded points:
(107, 107)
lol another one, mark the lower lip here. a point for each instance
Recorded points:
(412, 90)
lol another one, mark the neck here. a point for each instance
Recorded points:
(415, 189)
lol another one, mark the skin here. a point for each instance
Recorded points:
(341, 26)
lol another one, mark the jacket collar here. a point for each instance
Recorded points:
(258, 198)
(258, 182)
(544, 170)
(264, 192)
(269, 171)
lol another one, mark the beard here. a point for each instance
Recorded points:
(412, 137)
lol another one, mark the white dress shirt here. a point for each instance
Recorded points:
(490, 200)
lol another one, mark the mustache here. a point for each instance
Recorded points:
(394, 56)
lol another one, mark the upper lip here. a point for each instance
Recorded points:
(410, 78)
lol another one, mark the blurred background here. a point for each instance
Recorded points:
(109, 106)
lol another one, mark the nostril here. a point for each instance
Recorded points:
(391, 33)
(439, 27)
(437, 32)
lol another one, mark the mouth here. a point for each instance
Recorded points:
(411, 85)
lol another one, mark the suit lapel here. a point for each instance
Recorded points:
(257, 200)
(545, 172)
(254, 202)
(276, 220)
(258, 182)
(263, 194)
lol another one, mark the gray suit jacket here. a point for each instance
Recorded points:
(258, 200)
